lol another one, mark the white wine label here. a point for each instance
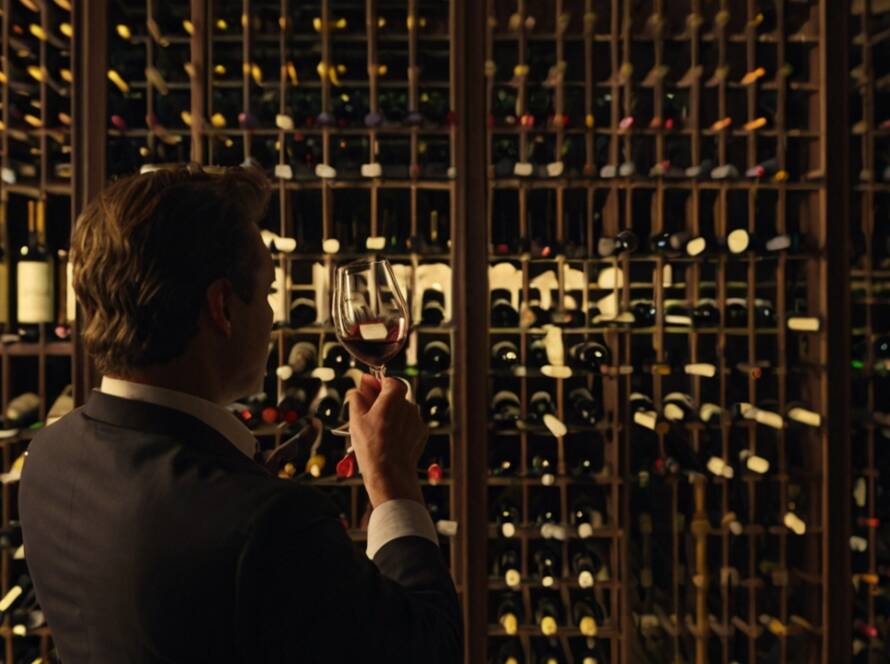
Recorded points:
(508, 529)
(608, 171)
(547, 479)
(284, 172)
(709, 411)
(673, 412)
(20, 630)
(769, 419)
(716, 465)
(451, 172)
(509, 623)
(779, 243)
(284, 372)
(555, 426)
(701, 369)
(70, 297)
(757, 464)
(446, 527)
(860, 491)
(7, 175)
(585, 530)
(555, 169)
(324, 374)
(585, 579)
(284, 122)
(331, 246)
(556, 372)
(19, 553)
(667, 275)
(4, 292)
(35, 292)
(522, 169)
(610, 278)
(676, 319)
(558, 532)
(803, 324)
(372, 170)
(372, 331)
(553, 345)
(588, 626)
(375, 243)
(794, 523)
(646, 418)
(627, 169)
(858, 543)
(325, 171)
(10, 597)
(285, 244)
(805, 416)
(512, 578)
(738, 241)
(548, 581)
(696, 246)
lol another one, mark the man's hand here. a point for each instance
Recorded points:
(388, 437)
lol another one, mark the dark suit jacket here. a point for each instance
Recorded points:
(151, 538)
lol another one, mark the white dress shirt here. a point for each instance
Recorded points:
(389, 521)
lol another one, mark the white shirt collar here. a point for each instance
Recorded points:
(208, 412)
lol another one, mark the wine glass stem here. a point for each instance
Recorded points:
(378, 372)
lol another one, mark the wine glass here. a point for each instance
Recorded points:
(370, 315)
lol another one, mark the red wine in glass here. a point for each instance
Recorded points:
(373, 342)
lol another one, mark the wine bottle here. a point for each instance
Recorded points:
(543, 468)
(705, 313)
(643, 410)
(436, 357)
(678, 407)
(505, 409)
(588, 615)
(537, 353)
(14, 595)
(34, 275)
(22, 411)
(336, 357)
(508, 565)
(590, 355)
(541, 411)
(643, 312)
(509, 612)
(432, 312)
(547, 614)
(509, 652)
(504, 356)
(584, 406)
(301, 359)
(586, 565)
(545, 512)
(435, 409)
(507, 517)
(585, 517)
(329, 408)
(302, 312)
(624, 242)
(503, 314)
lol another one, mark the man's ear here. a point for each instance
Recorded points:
(219, 293)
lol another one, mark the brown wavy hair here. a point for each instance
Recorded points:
(145, 250)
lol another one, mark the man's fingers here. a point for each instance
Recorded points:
(392, 391)
(370, 387)
(359, 404)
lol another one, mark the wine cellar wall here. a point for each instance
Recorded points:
(868, 42)
(652, 465)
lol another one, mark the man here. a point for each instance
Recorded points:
(151, 533)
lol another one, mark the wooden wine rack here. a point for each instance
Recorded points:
(870, 197)
(704, 593)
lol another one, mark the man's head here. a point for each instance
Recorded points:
(173, 278)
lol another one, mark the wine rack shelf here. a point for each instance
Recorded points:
(617, 222)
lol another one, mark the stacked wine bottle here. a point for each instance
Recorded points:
(40, 371)
(869, 48)
(654, 173)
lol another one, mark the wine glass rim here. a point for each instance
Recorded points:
(362, 264)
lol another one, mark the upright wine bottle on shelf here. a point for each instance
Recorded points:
(434, 408)
(34, 275)
(547, 615)
(588, 615)
(436, 357)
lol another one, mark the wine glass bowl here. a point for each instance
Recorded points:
(369, 313)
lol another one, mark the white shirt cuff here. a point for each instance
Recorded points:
(398, 518)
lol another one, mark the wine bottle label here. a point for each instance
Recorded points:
(375, 243)
(701, 369)
(324, 374)
(556, 371)
(860, 491)
(610, 278)
(4, 293)
(585, 530)
(10, 597)
(554, 425)
(754, 463)
(508, 529)
(512, 578)
(858, 543)
(35, 292)
(673, 412)
(19, 553)
(371, 170)
(555, 169)
(803, 324)
(585, 578)
(767, 418)
(805, 416)
(522, 169)
(646, 418)
(709, 411)
(446, 527)
(509, 623)
(548, 623)
(554, 346)
(678, 319)
(588, 626)
(696, 246)
(794, 523)
(325, 171)
(554, 531)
